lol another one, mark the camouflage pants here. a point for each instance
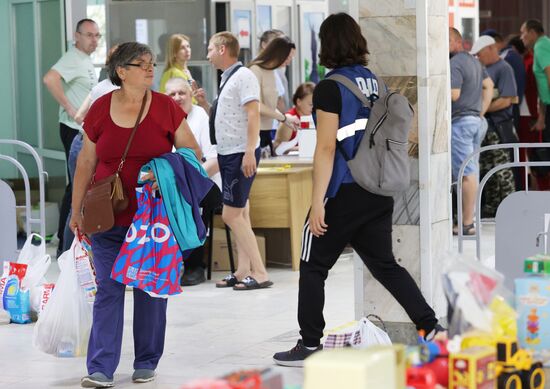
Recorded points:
(502, 183)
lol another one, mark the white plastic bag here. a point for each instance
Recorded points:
(85, 271)
(37, 261)
(36, 272)
(63, 328)
(31, 253)
(372, 335)
(359, 334)
(40, 295)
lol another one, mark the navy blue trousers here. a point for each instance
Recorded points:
(108, 320)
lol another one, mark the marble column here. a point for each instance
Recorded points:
(408, 42)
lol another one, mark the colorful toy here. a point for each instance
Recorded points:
(421, 378)
(473, 368)
(433, 357)
(247, 379)
(512, 365)
(533, 313)
(513, 362)
(533, 327)
(537, 264)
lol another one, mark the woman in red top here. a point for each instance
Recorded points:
(107, 127)
(303, 106)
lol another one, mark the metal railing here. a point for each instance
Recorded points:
(514, 163)
(41, 186)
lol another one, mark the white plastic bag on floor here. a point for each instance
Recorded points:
(359, 334)
(31, 253)
(36, 272)
(37, 261)
(63, 328)
(372, 335)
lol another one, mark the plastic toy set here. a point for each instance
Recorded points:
(533, 306)
(484, 349)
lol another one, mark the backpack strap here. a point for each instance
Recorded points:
(353, 88)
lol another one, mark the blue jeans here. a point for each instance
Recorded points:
(76, 146)
(465, 139)
(108, 320)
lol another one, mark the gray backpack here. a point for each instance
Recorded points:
(381, 164)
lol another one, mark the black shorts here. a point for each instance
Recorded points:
(236, 187)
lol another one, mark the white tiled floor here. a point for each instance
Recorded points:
(210, 332)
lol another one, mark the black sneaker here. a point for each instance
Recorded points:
(295, 356)
(193, 277)
(433, 333)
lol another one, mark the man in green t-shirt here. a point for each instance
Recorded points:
(70, 80)
(532, 35)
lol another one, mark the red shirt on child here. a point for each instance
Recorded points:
(293, 111)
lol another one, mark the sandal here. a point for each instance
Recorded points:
(227, 282)
(467, 230)
(249, 283)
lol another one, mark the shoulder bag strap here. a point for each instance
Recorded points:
(123, 159)
(228, 77)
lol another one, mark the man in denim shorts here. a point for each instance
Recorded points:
(237, 132)
(471, 93)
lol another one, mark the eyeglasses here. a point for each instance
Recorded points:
(143, 65)
(90, 35)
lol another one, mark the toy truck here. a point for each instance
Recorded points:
(514, 367)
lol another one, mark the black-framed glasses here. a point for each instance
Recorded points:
(90, 35)
(143, 65)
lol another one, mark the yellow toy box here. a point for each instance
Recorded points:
(473, 368)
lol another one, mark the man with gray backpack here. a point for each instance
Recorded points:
(360, 160)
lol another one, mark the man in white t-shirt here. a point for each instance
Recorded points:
(70, 81)
(237, 131)
(182, 93)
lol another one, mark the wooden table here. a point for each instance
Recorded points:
(285, 160)
(280, 198)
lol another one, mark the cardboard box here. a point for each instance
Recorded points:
(533, 308)
(351, 369)
(220, 254)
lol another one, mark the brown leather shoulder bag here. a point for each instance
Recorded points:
(105, 198)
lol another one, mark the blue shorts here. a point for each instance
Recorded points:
(236, 187)
(466, 137)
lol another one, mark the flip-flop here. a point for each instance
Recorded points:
(227, 282)
(249, 283)
(467, 230)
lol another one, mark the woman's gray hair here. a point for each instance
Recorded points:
(124, 54)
